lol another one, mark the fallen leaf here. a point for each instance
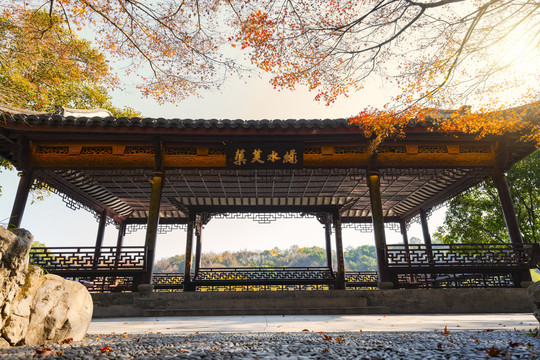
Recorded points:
(137, 340)
(125, 335)
(361, 330)
(41, 351)
(105, 349)
(439, 346)
(339, 339)
(305, 330)
(488, 330)
(183, 351)
(514, 344)
(493, 351)
(196, 333)
(65, 341)
(125, 323)
(446, 332)
(327, 338)
(325, 350)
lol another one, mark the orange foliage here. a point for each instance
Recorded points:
(381, 125)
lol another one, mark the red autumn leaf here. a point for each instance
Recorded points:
(105, 349)
(41, 351)
(327, 338)
(446, 332)
(339, 339)
(514, 344)
(183, 351)
(305, 330)
(65, 341)
(325, 350)
(488, 330)
(493, 351)
(361, 330)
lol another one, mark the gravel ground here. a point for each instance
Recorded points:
(303, 345)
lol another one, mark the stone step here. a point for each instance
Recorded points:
(358, 310)
(250, 303)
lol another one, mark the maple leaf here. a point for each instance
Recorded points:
(493, 352)
(327, 338)
(339, 339)
(446, 332)
(106, 348)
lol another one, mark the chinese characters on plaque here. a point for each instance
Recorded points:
(265, 155)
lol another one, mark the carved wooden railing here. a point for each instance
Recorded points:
(264, 276)
(460, 265)
(100, 270)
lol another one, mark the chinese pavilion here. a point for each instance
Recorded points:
(152, 171)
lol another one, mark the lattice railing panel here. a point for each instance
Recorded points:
(102, 284)
(459, 280)
(168, 281)
(88, 259)
(310, 287)
(262, 274)
(456, 255)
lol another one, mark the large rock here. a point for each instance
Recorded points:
(37, 308)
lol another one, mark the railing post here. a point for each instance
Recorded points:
(189, 250)
(374, 185)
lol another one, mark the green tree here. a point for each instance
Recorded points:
(476, 216)
(43, 64)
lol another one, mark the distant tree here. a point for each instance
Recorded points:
(356, 259)
(476, 216)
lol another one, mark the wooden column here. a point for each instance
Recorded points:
(152, 229)
(99, 238)
(119, 243)
(499, 180)
(403, 228)
(425, 228)
(328, 238)
(374, 185)
(198, 243)
(340, 284)
(188, 256)
(521, 278)
(25, 183)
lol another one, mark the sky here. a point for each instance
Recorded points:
(52, 223)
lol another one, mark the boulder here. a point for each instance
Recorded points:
(37, 308)
(534, 297)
